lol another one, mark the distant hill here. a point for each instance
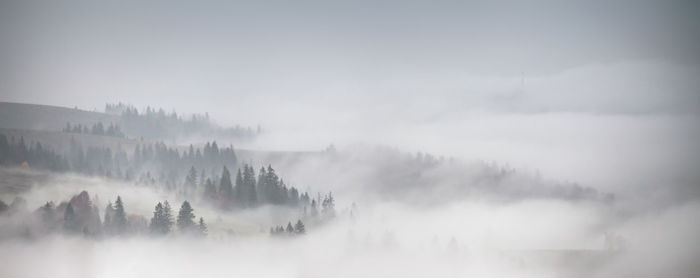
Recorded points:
(150, 123)
(60, 141)
(48, 118)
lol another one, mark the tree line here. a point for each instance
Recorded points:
(162, 221)
(97, 129)
(152, 123)
(81, 216)
(297, 229)
(148, 163)
(21, 153)
(159, 165)
(247, 191)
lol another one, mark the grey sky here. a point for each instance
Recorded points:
(171, 53)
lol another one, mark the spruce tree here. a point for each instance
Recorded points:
(251, 192)
(282, 193)
(299, 228)
(119, 219)
(109, 213)
(202, 227)
(293, 197)
(185, 218)
(328, 206)
(209, 190)
(262, 185)
(191, 181)
(167, 218)
(226, 188)
(157, 222)
(240, 194)
(273, 186)
(290, 229)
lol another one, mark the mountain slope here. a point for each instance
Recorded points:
(45, 117)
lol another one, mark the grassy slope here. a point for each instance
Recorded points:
(45, 117)
(61, 140)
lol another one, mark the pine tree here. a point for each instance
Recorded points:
(210, 190)
(240, 190)
(157, 222)
(299, 228)
(226, 188)
(109, 213)
(328, 206)
(263, 186)
(282, 193)
(190, 154)
(185, 218)
(293, 197)
(290, 229)
(202, 227)
(251, 192)
(273, 186)
(167, 217)
(191, 181)
(119, 219)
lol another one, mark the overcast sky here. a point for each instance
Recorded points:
(224, 53)
(568, 87)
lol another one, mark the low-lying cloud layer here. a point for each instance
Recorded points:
(533, 238)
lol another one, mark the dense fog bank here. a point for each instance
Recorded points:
(524, 239)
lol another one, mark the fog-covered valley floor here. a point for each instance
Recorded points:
(479, 234)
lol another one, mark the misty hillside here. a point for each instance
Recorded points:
(60, 141)
(46, 117)
(378, 172)
(119, 120)
(421, 178)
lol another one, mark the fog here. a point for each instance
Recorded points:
(510, 239)
(500, 139)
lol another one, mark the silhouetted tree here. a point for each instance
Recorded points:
(109, 214)
(290, 229)
(299, 228)
(167, 217)
(249, 186)
(209, 190)
(119, 219)
(159, 225)
(328, 206)
(226, 188)
(202, 227)
(185, 218)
